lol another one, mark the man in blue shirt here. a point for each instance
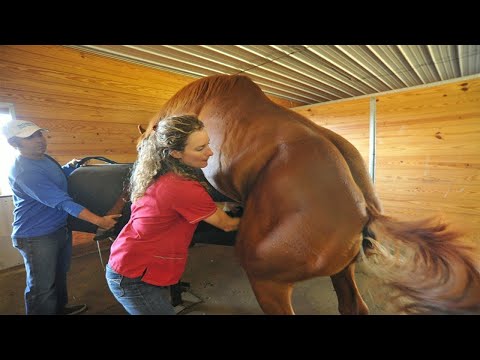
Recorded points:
(41, 207)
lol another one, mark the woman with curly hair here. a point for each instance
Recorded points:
(168, 202)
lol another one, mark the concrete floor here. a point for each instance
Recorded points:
(214, 276)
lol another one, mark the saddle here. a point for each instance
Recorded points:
(97, 187)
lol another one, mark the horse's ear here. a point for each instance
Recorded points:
(141, 130)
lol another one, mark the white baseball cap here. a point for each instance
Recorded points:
(19, 128)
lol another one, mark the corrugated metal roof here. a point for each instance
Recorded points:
(310, 74)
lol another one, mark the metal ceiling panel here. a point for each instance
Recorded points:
(393, 58)
(294, 62)
(261, 66)
(322, 66)
(443, 58)
(309, 74)
(341, 60)
(469, 58)
(202, 57)
(363, 56)
(126, 53)
(421, 61)
(296, 79)
(281, 63)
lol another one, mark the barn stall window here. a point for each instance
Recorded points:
(7, 112)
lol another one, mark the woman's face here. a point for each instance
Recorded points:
(197, 150)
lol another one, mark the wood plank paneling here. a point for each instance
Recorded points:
(428, 153)
(427, 149)
(57, 70)
(90, 104)
(350, 119)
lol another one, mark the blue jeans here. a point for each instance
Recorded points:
(138, 297)
(47, 261)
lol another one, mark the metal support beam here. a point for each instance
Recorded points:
(373, 137)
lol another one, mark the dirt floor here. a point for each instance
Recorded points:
(214, 275)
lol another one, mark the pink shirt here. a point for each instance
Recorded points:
(155, 241)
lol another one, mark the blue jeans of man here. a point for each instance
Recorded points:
(47, 260)
(138, 297)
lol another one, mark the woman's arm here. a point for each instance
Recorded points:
(221, 220)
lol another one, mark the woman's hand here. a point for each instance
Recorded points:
(229, 207)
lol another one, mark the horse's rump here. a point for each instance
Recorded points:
(299, 213)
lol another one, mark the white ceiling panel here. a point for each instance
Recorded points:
(309, 74)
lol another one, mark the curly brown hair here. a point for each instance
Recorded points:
(154, 158)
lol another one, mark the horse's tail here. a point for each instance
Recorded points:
(429, 267)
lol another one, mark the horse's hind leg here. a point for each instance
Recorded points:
(350, 301)
(275, 298)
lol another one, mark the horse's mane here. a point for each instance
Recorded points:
(194, 95)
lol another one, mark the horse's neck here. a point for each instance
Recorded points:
(239, 158)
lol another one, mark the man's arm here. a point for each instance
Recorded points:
(45, 191)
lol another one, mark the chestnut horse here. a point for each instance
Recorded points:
(310, 208)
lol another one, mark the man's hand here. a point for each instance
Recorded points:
(108, 221)
(73, 163)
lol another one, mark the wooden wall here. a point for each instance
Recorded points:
(90, 104)
(347, 118)
(427, 148)
(428, 153)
